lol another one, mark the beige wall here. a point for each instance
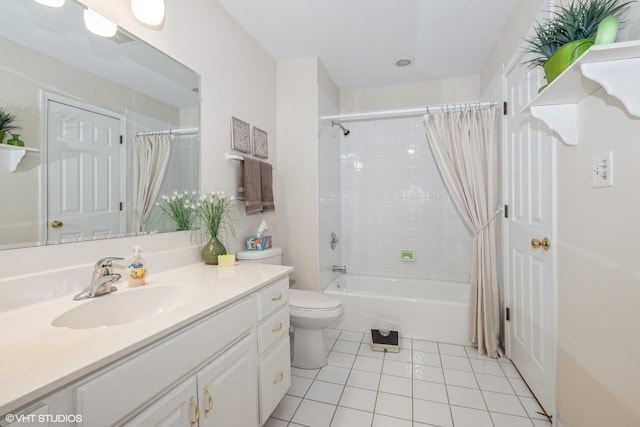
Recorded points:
(238, 78)
(599, 272)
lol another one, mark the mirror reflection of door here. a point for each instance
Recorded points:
(85, 172)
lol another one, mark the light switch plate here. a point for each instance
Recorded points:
(602, 170)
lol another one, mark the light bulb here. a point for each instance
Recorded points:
(98, 24)
(51, 3)
(150, 12)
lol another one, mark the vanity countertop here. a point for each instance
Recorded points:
(39, 358)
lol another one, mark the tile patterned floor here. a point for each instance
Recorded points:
(425, 384)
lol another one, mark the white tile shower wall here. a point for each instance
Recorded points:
(393, 198)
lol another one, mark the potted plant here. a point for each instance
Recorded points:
(568, 33)
(7, 123)
(218, 214)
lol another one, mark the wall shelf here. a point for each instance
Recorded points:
(16, 154)
(614, 67)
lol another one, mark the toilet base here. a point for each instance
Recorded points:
(308, 349)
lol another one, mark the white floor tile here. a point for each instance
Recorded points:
(333, 374)
(510, 370)
(395, 385)
(351, 336)
(349, 347)
(405, 343)
(286, 408)
(488, 367)
(455, 362)
(367, 338)
(314, 414)
(503, 420)
(365, 350)
(426, 390)
(328, 343)
(307, 373)
(368, 364)
(404, 355)
(460, 378)
(428, 373)
(520, 387)
(466, 397)
(364, 379)
(503, 403)
(472, 353)
(347, 417)
(541, 423)
(428, 346)
(399, 369)
(331, 333)
(467, 417)
(494, 383)
(358, 398)
(324, 392)
(299, 386)
(394, 406)
(272, 422)
(384, 421)
(424, 358)
(532, 408)
(341, 359)
(452, 350)
(432, 413)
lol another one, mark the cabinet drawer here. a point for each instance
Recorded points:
(275, 377)
(272, 328)
(118, 391)
(272, 297)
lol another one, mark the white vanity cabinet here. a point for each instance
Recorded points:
(274, 354)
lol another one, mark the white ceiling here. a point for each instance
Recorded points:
(358, 41)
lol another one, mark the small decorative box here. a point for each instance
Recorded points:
(255, 243)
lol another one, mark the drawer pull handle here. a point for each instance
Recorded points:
(278, 298)
(209, 400)
(196, 411)
(279, 378)
(277, 328)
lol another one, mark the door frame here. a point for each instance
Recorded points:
(45, 97)
(514, 62)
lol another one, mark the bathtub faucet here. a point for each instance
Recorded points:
(340, 268)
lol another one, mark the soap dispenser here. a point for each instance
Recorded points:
(136, 268)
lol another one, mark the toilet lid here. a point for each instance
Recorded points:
(308, 300)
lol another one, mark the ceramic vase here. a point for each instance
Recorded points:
(211, 250)
(15, 140)
(565, 56)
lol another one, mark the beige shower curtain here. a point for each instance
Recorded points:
(464, 144)
(150, 158)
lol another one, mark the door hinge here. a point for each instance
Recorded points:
(506, 211)
(504, 108)
(120, 206)
(121, 139)
(507, 314)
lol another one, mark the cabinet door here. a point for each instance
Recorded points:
(227, 387)
(177, 408)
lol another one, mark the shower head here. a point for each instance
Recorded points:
(345, 131)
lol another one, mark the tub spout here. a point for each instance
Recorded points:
(340, 268)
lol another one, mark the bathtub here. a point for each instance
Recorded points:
(420, 309)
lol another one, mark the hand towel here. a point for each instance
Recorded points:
(266, 181)
(250, 189)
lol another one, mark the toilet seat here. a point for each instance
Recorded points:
(308, 301)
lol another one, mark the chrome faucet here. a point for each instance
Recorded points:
(102, 280)
(340, 268)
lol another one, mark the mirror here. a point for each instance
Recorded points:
(90, 110)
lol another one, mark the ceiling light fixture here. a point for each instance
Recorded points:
(150, 12)
(98, 24)
(405, 62)
(51, 3)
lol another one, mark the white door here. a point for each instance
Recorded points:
(530, 194)
(84, 173)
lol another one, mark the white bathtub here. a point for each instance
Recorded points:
(421, 309)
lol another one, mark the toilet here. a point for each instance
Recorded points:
(310, 312)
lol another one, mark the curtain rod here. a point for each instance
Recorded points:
(411, 111)
(182, 131)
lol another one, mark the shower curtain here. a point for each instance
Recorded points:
(465, 148)
(150, 158)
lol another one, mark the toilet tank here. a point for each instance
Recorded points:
(266, 256)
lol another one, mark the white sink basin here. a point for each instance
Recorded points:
(125, 307)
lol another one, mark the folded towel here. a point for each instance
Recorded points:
(266, 180)
(250, 189)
